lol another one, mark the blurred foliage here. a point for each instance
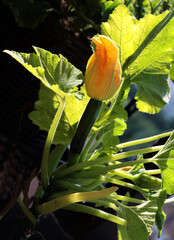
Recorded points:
(83, 14)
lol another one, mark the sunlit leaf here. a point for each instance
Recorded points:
(146, 51)
(120, 27)
(46, 108)
(50, 68)
(58, 77)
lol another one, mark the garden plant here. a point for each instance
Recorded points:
(85, 115)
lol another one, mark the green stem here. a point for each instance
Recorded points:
(93, 147)
(96, 212)
(87, 120)
(129, 199)
(50, 137)
(27, 212)
(74, 187)
(121, 183)
(153, 171)
(79, 166)
(123, 174)
(143, 140)
(87, 147)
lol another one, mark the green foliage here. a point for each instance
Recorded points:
(165, 161)
(141, 218)
(141, 8)
(144, 54)
(46, 108)
(58, 77)
(110, 125)
(50, 68)
(108, 7)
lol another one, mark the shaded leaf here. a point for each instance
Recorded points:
(141, 218)
(110, 135)
(136, 227)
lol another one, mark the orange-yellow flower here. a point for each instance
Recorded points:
(103, 70)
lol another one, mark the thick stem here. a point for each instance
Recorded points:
(87, 120)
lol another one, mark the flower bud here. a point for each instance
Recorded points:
(103, 71)
(147, 181)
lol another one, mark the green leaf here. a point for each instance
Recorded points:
(136, 227)
(120, 27)
(46, 108)
(141, 218)
(50, 68)
(58, 77)
(110, 135)
(160, 215)
(31, 62)
(58, 70)
(108, 7)
(165, 161)
(146, 51)
(110, 125)
(109, 113)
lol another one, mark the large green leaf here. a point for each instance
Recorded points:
(165, 161)
(120, 27)
(50, 68)
(146, 51)
(46, 108)
(58, 77)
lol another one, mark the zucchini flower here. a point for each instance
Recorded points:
(103, 71)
